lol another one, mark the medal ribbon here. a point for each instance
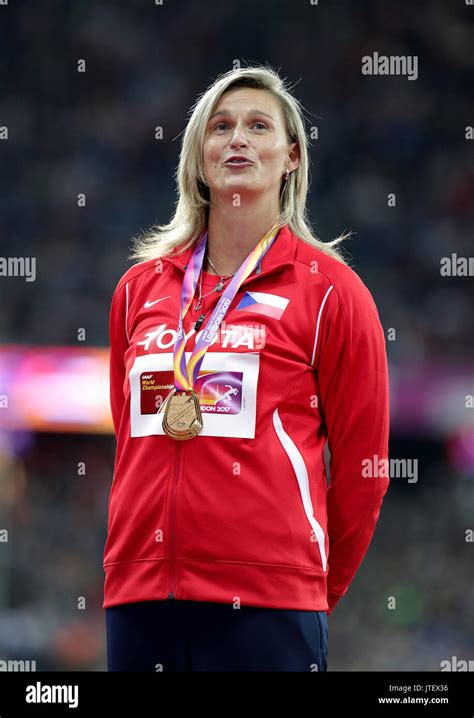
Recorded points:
(185, 377)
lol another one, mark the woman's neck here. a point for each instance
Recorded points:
(232, 234)
(207, 267)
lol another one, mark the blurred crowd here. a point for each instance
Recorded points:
(91, 133)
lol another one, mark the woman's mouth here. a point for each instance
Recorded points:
(238, 163)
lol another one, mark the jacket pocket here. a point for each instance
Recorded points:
(301, 473)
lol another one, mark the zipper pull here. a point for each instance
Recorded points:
(171, 595)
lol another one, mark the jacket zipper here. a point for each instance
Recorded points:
(179, 449)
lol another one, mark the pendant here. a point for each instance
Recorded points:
(219, 287)
(199, 322)
(183, 418)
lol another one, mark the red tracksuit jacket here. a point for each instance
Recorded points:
(243, 511)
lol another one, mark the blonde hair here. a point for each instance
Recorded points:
(192, 209)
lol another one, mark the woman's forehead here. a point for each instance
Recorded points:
(249, 100)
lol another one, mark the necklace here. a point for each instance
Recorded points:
(217, 271)
(218, 288)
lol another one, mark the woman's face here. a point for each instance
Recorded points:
(247, 122)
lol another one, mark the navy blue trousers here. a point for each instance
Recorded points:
(177, 635)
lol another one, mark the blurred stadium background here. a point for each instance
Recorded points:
(93, 133)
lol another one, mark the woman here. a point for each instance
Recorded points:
(239, 344)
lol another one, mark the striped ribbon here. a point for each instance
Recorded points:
(185, 377)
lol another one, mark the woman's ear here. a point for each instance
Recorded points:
(293, 156)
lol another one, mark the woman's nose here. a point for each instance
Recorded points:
(238, 136)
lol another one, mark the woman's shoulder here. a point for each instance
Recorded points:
(338, 275)
(148, 268)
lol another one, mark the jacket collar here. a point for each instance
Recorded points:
(281, 254)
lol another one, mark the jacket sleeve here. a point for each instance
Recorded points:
(118, 346)
(354, 401)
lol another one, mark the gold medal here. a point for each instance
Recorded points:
(183, 418)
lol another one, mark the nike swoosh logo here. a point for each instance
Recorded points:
(149, 304)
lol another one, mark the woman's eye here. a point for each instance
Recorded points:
(220, 124)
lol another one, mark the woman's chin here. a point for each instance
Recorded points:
(236, 184)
